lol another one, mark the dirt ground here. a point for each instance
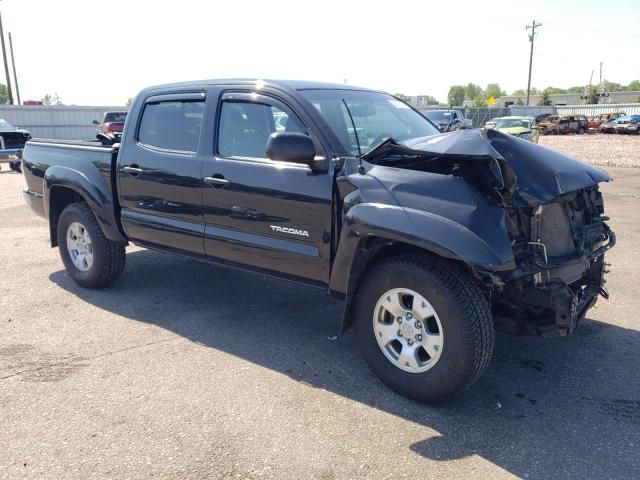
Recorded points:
(606, 150)
(186, 370)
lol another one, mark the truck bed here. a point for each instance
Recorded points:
(39, 154)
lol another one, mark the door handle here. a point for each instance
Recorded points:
(133, 171)
(216, 181)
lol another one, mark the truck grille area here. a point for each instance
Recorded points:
(554, 230)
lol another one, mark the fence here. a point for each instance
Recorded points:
(593, 110)
(56, 121)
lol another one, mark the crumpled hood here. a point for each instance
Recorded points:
(541, 174)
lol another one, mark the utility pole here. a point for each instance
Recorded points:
(533, 27)
(13, 63)
(600, 84)
(6, 65)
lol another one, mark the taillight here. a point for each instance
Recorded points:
(109, 127)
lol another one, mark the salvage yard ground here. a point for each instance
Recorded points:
(186, 370)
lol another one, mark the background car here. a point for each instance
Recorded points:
(633, 126)
(12, 140)
(597, 121)
(557, 124)
(448, 120)
(522, 127)
(541, 116)
(610, 125)
(109, 130)
(626, 124)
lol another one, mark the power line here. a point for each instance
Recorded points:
(594, 30)
(532, 37)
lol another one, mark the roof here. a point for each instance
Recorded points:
(281, 84)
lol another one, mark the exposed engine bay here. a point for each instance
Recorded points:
(554, 217)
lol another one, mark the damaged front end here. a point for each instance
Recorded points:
(559, 252)
(554, 217)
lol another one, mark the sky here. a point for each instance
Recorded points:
(103, 52)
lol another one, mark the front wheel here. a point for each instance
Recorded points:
(423, 326)
(91, 259)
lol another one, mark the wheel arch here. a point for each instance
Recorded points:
(371, 233)
(63, 186)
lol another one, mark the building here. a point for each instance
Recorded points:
(564, 99)
(417, 101)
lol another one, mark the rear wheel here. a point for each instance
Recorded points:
(423, 326)
(91, 259)
(15, 166)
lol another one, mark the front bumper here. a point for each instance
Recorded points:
(549, 299)
(35, 200)
(10, 155)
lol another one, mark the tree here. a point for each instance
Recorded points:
(471, 91)
(554, 90)
(129, 102)
(4, 95)
(480, 101)
(49, 99)
(612, 86)
(634, 86)
(545, 100)
(576, 89)
(493, 90)
(456, 95)
(592, 96)
(519, 101)
(521, 92)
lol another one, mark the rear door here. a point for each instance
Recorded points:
(159, 174)
(271, 216)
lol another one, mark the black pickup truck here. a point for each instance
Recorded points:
(433, 240)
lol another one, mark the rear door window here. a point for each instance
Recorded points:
(172, 125)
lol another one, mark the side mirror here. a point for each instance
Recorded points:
(291, 147)
(96, 122)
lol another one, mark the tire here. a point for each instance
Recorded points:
(580, 131)
(461, 314)
(104, 259)
(15, 166)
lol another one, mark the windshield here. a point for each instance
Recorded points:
(4, 125)
(377, 117)
(119, 117)
(513, 123)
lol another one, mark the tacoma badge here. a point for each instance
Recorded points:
(292, 231)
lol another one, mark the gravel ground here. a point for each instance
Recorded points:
(187, 370)
(607, 150)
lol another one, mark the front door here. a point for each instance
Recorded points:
(159, 174)
(271, 216)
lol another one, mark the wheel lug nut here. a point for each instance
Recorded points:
(409, 342)
(399, 319)
(408, 315)
(418, 325)
(418, 338)
(399, 333)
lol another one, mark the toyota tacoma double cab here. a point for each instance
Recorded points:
(432, 240)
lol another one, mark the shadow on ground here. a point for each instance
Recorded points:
(546, 407)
